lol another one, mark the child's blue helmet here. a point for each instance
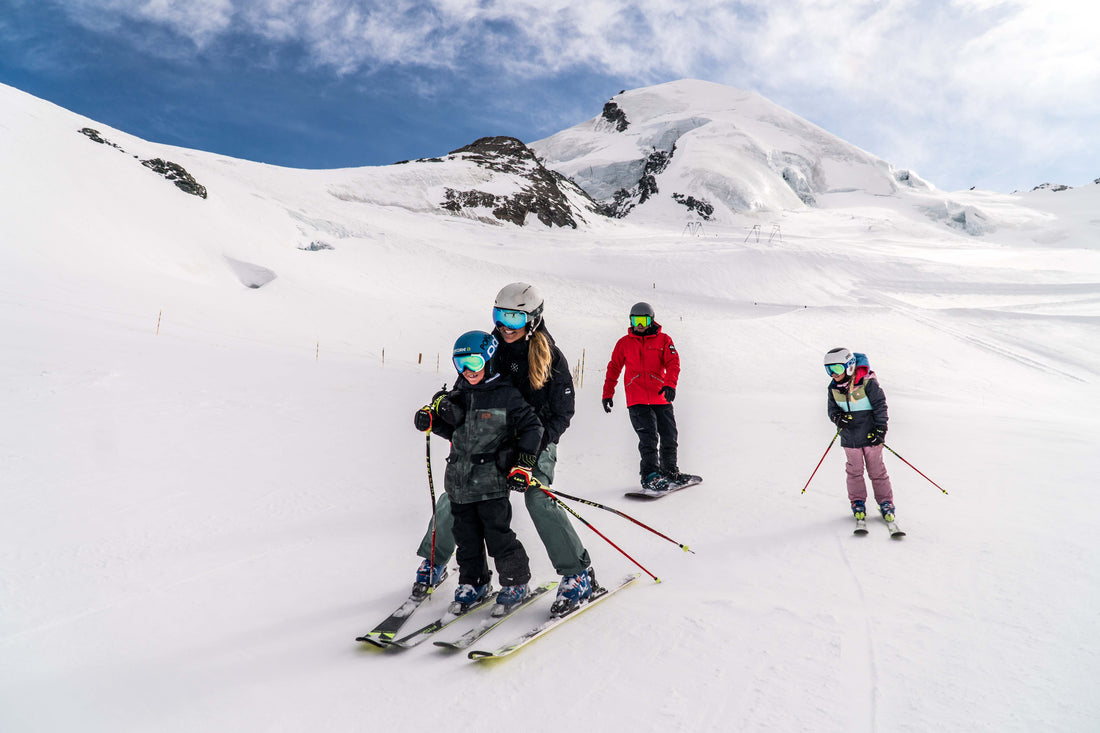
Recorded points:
(473, 351)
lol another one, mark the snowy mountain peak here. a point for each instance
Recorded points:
(726, 150)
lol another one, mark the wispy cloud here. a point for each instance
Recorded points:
(979, 73)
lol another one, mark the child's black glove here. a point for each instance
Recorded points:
(450, 412)
(843, 420)
(519, 478)
(877, 436)
(423, 419)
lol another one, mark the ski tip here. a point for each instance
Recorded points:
(480, 655)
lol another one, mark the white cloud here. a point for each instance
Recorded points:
(964, 72)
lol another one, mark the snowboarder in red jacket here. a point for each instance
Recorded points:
(652, 370)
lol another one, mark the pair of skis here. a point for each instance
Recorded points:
(896, 532)
(384, 635)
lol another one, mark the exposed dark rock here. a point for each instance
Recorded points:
(702, 207)
(614, 114)
(316, 247)
(542, 191)
(1051, 187)
(95, 136)
(175, 173)
(626, 199)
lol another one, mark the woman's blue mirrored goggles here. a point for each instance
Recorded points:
(504, 318)
(469, 362)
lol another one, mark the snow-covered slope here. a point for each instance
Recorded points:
(209, 481)
(658, 149)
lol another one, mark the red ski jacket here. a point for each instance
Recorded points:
(651, 362)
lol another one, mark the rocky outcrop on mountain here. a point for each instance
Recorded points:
(1056, 187)
(700, 206)
(176, 173)
(625, 199)
(614, 114)
(552, 198)
(94, 136)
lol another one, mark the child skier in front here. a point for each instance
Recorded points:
(857, 406)
(485, 418)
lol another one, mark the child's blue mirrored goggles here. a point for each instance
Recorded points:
(836, 368)
(514, 320)
(469, 363)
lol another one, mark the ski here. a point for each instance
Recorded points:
(643, 493)
(896, 532)
(448, 618)
(383, 634)
(861, 527)
(552, 623)
(497, 616)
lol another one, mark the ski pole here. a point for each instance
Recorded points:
(907, 463)
(431, 490)
(535, 483)
(820, 462)
(683, 547)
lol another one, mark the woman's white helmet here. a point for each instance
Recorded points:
(522, 297)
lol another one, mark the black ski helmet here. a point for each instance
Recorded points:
(642, 309)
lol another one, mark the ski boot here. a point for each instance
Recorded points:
(509, 596)
(467, 595)
(654, 481)
(572, 591)
(859, 509)
(674, 477)
(427, 578)
(887, 508)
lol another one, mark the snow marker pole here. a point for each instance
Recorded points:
(821, 461)
(535, 483)
(907, 463)
(683, 547)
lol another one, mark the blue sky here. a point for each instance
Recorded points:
(1000, 94)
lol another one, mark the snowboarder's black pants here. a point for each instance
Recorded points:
(653, 424)
(487, 524)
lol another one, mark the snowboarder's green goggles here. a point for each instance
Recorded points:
(514, 320)
(469, 363)
(835, 368)
(641, 321)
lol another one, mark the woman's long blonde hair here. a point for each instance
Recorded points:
(539, 359)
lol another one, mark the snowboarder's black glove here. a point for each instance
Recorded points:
(669, 393)
(607, 405)
(519, 478)
(423, 419)
(877, 436)
(843, 420)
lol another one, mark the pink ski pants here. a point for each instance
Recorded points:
(871, 457)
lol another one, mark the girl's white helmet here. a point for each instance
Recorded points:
(841, 355)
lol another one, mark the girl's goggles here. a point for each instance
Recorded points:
(836, 369)
(469, 363)
(641, 321)
(514, 320)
